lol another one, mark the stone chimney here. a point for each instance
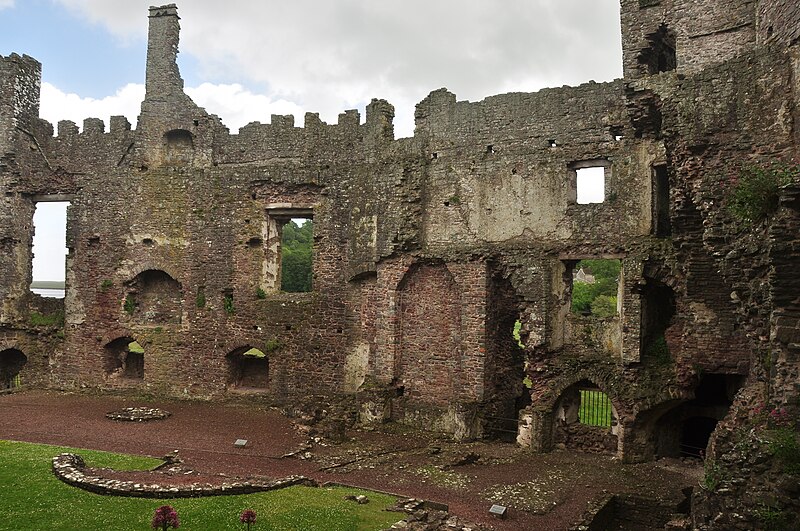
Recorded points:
(163, 77)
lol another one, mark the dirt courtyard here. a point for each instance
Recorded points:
(542, 491)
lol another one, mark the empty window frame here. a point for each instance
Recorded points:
(588, 181)
(48, 262)
(661, 224)
(595, 287)
(287, 241)
(297, 239)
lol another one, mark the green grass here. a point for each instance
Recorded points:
(32, 499)
(54, 319)
(595, 412)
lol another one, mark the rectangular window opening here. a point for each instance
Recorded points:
(591, 184)
(297, 241)
(661, 223)
(49, 249)
(595, 286)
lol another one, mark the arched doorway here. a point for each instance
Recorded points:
(11, 363)
(685, 430)
(585, 419)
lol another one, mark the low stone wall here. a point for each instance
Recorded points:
(71, 469)
(586, 438)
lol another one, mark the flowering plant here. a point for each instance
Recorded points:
(165, 517)
(248, 517)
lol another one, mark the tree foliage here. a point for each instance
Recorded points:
(296, 244)
(598, 298)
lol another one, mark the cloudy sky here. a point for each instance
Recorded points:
(245, 59)
(250, 59)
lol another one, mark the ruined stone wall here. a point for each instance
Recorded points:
(500, 170)
(778, 21)
(704, 32)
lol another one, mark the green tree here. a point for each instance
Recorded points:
(296, 256)
(599, 297)
(604, 306)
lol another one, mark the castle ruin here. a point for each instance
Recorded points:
(427, 250)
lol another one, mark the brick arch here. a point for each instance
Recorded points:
(569, 430)
(147, 265)
(428, 356)
(561, 385)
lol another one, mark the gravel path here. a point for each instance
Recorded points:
(543, 491)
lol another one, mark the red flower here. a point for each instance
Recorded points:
(165, 517)
(248, 517)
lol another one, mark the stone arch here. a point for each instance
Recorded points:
(123, 358)
(153, 297)
(685, 429)
(428, 356)
(11, 362)
(248, 368)
(178, 147)
(578, 412)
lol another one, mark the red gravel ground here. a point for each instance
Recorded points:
(543, 491)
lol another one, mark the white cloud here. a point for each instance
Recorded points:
(57, 105)
(5, 4)
(329, 56)
(235, 105)
(238, 107)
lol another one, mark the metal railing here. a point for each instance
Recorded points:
(595, 408)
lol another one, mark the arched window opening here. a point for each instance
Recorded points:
(11, 363)
(585, 420)
(248, 368)
(124, 358)
(178, 147)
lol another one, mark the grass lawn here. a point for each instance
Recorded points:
(32, 498)
(595, 409)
